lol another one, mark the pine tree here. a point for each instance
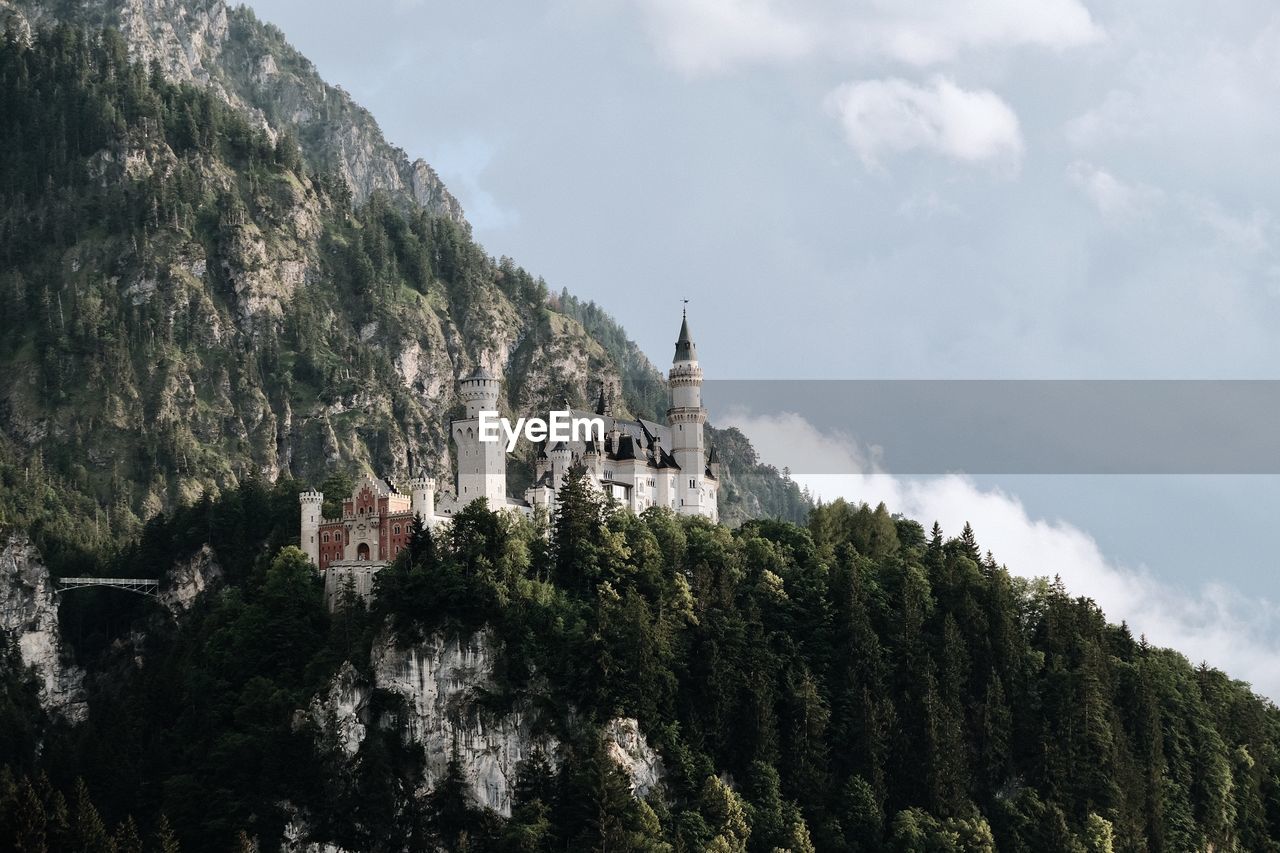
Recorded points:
(127, 839)
(164, 839)
(88, 832)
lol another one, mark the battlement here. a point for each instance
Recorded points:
(311, 497)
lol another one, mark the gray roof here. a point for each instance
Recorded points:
(481, 373)
(685, 350)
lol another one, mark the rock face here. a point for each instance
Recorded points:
(441, 683)
(630, 751)
(249, 65)
(340, 712)
(188, 578)
(29, 615)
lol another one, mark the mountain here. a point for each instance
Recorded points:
(214, 267)
(248, 65)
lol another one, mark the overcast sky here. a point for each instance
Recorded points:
(897, 188)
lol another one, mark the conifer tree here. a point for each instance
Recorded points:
(164, 839)
(88, 832)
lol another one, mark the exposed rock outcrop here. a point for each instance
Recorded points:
(629, 749)
(340, 712)
(190, 577)
(29, 615)
(441, 682)
(250, 66)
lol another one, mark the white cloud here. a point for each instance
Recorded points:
(881, 117)
(712, 35)
(1117, 201)
(1216, 623)
(701, 36)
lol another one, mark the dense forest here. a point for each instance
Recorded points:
(856, 684)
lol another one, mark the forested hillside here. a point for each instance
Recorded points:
(187, 300)
(856, 685)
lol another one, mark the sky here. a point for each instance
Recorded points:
(924, 189)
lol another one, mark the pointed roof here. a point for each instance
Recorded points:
(685, 350)
(602, 405)
(480, 373)
(713, 458)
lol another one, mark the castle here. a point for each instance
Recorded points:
(639, 464)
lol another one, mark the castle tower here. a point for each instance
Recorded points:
(311, 505)
(422, 491)
(482, 465)
(561, 459)
(686, 418)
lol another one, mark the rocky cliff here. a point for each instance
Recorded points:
(29, 617)
(442, 685)
(250, 66)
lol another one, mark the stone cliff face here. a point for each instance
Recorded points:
(189, 578)
(441, 684)
(29, 615)
(251, 67)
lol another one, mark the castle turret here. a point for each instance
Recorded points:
(561, 458)
(686, 418)
(482, 465)
(422, 492)
(311, 505)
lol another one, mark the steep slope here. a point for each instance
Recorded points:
(187, 302)
(248, 65)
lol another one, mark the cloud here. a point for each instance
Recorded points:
(893, 116)
(710, 36)
(698, 36)
(462, 165)
(1117, 201)
(1215, 623)
(1122, 203)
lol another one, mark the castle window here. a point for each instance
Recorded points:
(396, 530)
(693, 484)
(324, 537)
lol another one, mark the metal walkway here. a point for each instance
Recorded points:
(142, 586)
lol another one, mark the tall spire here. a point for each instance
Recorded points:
(685, 350)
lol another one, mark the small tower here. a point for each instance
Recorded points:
(422, 491)
(311, 505)
(593, 460)
(686, 418)
(482, 465)
(561, 459)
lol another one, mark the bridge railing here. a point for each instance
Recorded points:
(142, 586)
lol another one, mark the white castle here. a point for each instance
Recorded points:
(639, 463)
